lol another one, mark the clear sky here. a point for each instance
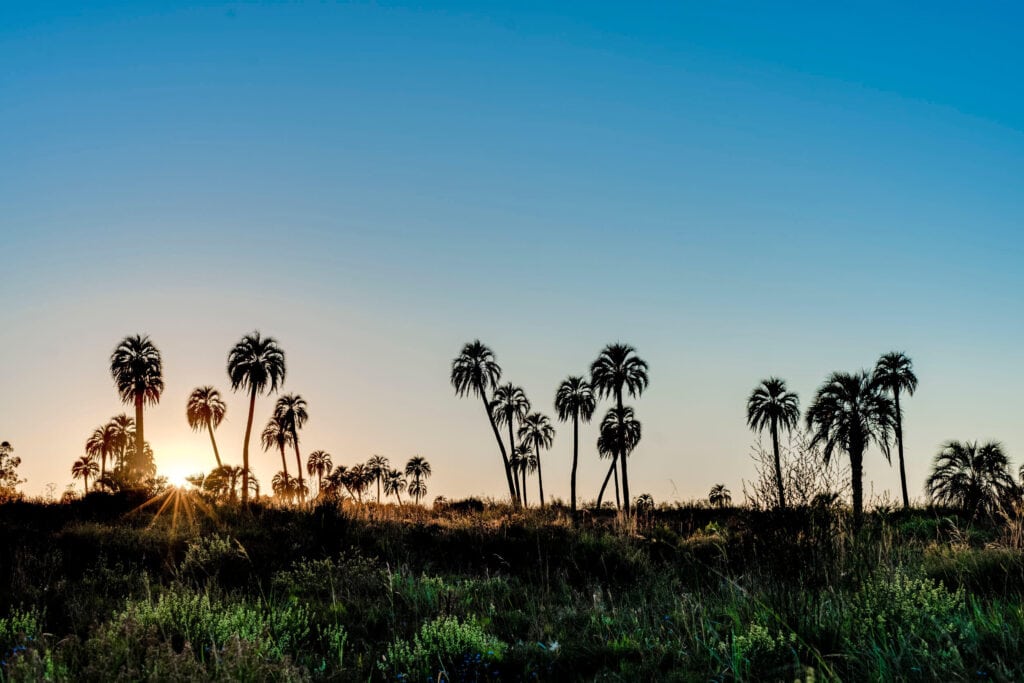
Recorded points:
(736, 189)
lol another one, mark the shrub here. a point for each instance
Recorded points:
(444, 647)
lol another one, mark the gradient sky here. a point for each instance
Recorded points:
(736, 189)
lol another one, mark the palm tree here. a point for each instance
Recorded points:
(124, 434)
(138, 372)
(336, 481)
(474, 371)
(720, 496)
(848, 414)
(276, 435)
(255, 364)
(103, 442)
(618, 368)
(291, 411)
(536, 431)
(84, 468)
(508, 404)
(620, 434)
(419, 469)
(974, 478)
(283, 486)
(394, 483)
(895, 372)
(772, 405)
(357, 480)
(575, 399)
(378, 467)
(318, 463)
(522, 462)
(206, 409)
(644, 503)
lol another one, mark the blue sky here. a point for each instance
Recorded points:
(738, 190)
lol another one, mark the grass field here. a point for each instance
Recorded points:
(92, 591)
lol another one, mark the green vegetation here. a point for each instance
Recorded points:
(96, 590)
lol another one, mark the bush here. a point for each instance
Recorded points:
(445, 649)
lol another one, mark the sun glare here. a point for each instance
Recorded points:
(178, 465)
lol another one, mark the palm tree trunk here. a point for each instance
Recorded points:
(245, 448)
(103, 464)
(857, 482)
(216, 453)
(140, 438)
(526, 501)
(298, 463)
(540, 475)
(284, 462)
(607, 478)
(615, 469)
(778, 466)
(899, 445)
(501, 445)
(85, 486)
(378, 489)
(575, 459)
(624, 458)
(512, 449)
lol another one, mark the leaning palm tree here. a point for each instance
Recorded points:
(974, 478)
(616, 369)
(509, 404)
(378, 467)
(84, 468)
(575, 399)
(318, 463)
(474, 371)
(138, 373)
(291, 411)
(537, 432)
(850, 412)
(895, 372)
(620, 433)
(255, 365)
(205, 410)
(102, 443)
(720, 496)
(774, 406)
(394, 483)
(276, 435)
(419, 469)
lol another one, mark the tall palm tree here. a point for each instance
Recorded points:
(206, 409)
(536, 431)
(616, 369)
(84, 468)
(474, 371)
(895, 372)
(138, 373)
(419, 469)
(850, 412)
(255, 365)
(378, 467)
(394, 484)
(291, 411)
(575, 399)
(620, 433)
(124, 431)
(974, 478)
(508, 404)
(720, 496)
(772, 405)
(102, 443)
(319, 463)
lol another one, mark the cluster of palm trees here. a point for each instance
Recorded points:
(335, 483)
(616, 371)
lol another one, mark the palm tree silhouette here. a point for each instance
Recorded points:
(103, 442)
(474, 371)
(419, 469)
(291, 411)
(255, 364)
(357, 479)
(974, 478)
(848, 414)
(84, 468)
(536, 431)
(276, 435)
(895, 372)
(206, 409)
(520, 463)
(284, 486)
(618, 368)
(508, 404)
(575, 399)
(318, 463)
(378, 467)
(620, 433)
(124, 434)
(394, 484)
(137, 369)
(773, 406)
(720, 496)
